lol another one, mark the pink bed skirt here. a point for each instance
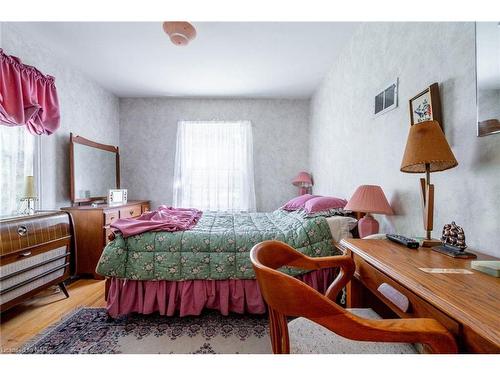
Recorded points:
(192, 296)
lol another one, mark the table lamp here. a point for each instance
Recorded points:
(427, 151)
(370, 199)
(303, 181)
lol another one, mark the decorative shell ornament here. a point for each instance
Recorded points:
(454, 235)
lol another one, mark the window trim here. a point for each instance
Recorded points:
(37, 171)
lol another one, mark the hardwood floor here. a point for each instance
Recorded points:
(23, 322)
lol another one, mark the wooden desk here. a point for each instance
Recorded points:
(467, 304)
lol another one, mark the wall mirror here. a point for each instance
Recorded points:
(488, 77)
(95, 168)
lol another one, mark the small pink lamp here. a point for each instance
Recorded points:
(303, 181)
(369, 199)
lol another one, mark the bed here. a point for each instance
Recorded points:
(208, 266)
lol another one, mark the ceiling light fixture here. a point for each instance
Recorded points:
(180, 33)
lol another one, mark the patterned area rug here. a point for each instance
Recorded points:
(89, 330)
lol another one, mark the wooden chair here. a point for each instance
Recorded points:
(287, 296)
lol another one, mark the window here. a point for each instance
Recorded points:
(214, 166)
(18, 156)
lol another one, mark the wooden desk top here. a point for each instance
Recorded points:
(473, 300)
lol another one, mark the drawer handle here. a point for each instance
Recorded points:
(26, 254)
(395, 296)
(22, 230)
(131, 212)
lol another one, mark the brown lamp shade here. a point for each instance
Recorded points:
(427, 144)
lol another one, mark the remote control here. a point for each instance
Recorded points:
(408, 242)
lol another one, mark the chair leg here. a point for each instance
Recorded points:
(63, 289)
(273, 332)
(276, 337)
(279, 332)
(285, 339)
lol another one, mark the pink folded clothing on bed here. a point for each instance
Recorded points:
(165, 218)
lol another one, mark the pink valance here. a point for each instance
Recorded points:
(27, 97)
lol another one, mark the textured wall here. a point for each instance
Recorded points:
(349, 146)
(148, 132)
(488, 102)
(86, 110)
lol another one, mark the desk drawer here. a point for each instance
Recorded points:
(372, 278)
(130, 211)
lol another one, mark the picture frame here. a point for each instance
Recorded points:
(426, 106)
(117, 197)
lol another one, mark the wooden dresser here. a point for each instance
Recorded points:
(92, 230)
(468, 305)
(35, 252)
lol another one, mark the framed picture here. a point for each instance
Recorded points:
(117, 197)
(426, 106)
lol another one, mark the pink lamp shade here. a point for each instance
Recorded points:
(303, 181)
(370, 199)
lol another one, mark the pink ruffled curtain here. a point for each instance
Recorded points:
(27, 97)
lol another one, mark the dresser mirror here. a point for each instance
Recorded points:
(95, 168)
(488, 77)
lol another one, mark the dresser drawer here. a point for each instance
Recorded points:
(107, 232)
(372, 278)
(23, 233)
(130, 211)
(111, 216)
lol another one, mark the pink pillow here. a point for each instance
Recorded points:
(297, 202)
(318, 204)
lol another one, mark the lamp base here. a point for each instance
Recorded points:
(303, 190)
(30, 205)
(367, 226)
(430, 243)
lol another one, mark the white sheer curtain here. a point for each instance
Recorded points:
(214, 166)
(17, 151)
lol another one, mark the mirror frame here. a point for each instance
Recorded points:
(87, 142)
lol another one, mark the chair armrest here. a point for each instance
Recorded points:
(311, 263)
(345, 263)
(421, 330)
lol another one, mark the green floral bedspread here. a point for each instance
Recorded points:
(216, 248)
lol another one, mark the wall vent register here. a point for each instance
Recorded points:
(387, 99)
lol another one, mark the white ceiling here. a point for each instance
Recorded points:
(248, 59)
